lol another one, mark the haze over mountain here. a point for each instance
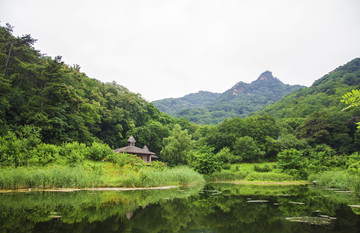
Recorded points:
(240, 100)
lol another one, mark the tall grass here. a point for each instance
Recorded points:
(269, 176)
(227, 175)
(250, 172)
(92, 175)
(152, 178)
(47, 177)
(337, 179)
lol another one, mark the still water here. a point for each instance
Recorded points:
(209, 208)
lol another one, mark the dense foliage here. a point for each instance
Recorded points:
(239, 101)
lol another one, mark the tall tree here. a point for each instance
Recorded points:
(176, 146)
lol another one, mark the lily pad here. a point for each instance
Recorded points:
(310, 220)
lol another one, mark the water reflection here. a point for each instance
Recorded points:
(213, 208)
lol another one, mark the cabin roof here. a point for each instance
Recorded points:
(132, 149)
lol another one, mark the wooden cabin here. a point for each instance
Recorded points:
(143, 153)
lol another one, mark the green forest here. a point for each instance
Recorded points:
(59, 128)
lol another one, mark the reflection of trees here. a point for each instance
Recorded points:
(218, 208)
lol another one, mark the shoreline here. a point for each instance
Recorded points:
(83, 189)
(239, 182)
(301, 182)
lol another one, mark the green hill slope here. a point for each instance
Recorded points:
(194, 100)
(324, 94)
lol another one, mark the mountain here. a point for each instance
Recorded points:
(194, 100)
(241, 100)
(324, 95)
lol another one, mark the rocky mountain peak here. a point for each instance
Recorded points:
(267, 75)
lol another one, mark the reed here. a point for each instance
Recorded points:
(153, 178)
(227, 175)
(47, 177)
(269, 176)
(337, 179)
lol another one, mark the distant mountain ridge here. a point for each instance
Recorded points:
(193, 100)
(240, 100)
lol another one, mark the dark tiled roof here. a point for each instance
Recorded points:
(134, 150)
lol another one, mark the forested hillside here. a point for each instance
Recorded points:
(325, 94)
(316, 113)
(44, 97)
(239, 101)
(194, 100)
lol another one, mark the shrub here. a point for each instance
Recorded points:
(74, 152)
(204, 161)
(158, 165)
(293, 163)
(13, 151)
(99, 151)
(265, 168)
(125, 158)
(44, 154)
(227, 157)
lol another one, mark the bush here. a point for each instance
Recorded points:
(12, 152)
(322, 158)
(293, 163)
(74, 153)
(124, 159)
(44, 154)
(99, 151)
(204, 161)
(227, 157)
(265, 168)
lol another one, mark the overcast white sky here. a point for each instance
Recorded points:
(169, 48)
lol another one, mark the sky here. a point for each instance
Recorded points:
(170, 48)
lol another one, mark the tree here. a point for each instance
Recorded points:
(176, 146)
(315, 129)
(246, 148)
(205, 161)
(292, 162)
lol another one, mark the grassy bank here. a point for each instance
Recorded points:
(95, 174)
(337, 179)
(251, 172)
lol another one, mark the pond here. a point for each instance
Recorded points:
(209, 208)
